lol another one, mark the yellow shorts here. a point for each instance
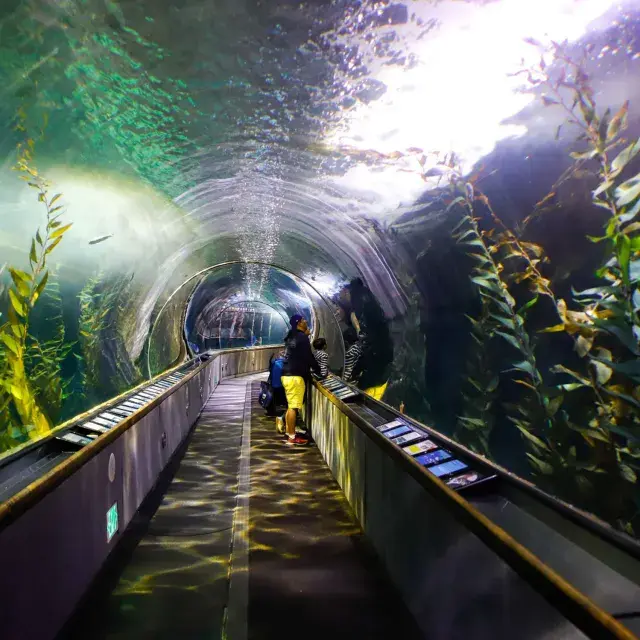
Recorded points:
(294, 390)
(376, 392)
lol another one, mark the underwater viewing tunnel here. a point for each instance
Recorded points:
(441, 198)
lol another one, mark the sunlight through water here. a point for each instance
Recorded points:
(456, 93)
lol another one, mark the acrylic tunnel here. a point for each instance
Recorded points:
(448, 193)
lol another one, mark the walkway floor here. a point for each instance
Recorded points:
(253, 539)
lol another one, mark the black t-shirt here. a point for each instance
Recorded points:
(299, 359)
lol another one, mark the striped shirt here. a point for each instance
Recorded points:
(322, 358)
(351, 358)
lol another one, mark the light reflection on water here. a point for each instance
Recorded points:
(456, 94)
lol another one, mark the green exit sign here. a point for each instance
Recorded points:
(112, 521)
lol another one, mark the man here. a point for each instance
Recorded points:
(298, 365)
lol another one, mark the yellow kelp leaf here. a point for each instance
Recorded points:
(583, 345)
(603, 373)
(556, 328)
(17, 304)
(10, 342)
(619, 407)
(562, 308)
(578, 317)
(58, 232)
(534, 248)
(16, 392)
(41, 424)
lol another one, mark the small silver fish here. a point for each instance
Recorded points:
(100, 239)
(438, 170)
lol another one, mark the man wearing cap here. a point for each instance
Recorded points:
(299, 363)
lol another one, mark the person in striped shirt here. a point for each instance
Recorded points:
(321, 356)
(374, 351)
(352, 354)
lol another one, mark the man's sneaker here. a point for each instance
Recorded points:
(279, 424)
(298, 440)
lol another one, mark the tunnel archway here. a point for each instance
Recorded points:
(220, 321)
(319, 312)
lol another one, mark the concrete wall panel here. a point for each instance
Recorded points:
(51, 553)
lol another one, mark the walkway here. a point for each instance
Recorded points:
(253, 539)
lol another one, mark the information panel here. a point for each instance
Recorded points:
(412, 436)
(397, 431)
(436, 459)
(420, 447)
(94, 427)
(75, 438)
(387, 426)
(447, 468)
(466, 479)
(338, 388)
(433, 457)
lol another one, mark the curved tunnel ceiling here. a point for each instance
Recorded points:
(307, 135)
(285, 132)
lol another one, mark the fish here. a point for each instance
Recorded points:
(100, 239)
(438, 171)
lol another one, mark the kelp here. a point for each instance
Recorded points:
(477, 420)
(105, 366)
(480, 392)
(22, 409)
(407, 386)
(45, 358)
(536, 413)
(607, 329)
(580, 421)
(94, 309)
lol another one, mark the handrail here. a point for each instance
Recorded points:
(573, 604)
(21, 449)
(16, 452)
(578, 516)
(17, 504)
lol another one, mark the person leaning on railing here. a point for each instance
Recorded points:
(363, 314)
(296, 371)
(321, 356)
(353, 351)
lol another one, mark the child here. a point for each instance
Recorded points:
(321, 356)
(352, 354)
(275, 374)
